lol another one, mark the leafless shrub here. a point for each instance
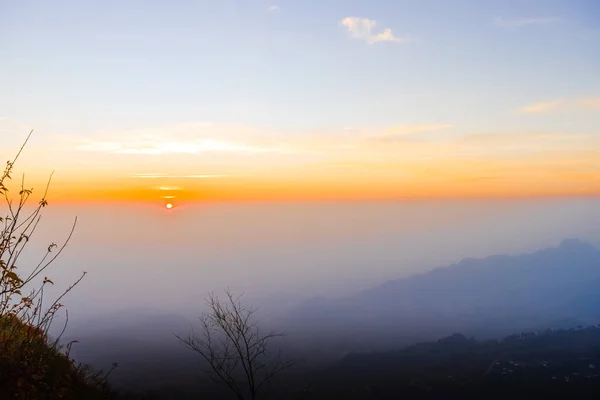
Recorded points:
(231, 344)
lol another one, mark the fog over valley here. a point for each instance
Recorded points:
(336, 277)
(280, 254)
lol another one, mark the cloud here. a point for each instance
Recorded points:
(478, 178)
(515, 137)
(168, 188)
(513, 144)
(405, 129)
(272, 8)
(543, 107)
(581, 176)
(362, 28)
(525, 21)
(426, 157)
(221, 140)
(562, 105)
(167, 176)
(192, 147)
(593, 103)
(182, 139)
(221, 150)
(399, 133)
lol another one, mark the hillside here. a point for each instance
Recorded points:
(562, 363)
(489, 297)
(142, 343)
(32, 368)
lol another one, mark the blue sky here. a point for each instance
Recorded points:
(95, 65)
(80, 70)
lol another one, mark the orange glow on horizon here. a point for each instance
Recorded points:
(341, 188)
(381, 175)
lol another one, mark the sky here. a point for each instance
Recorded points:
(302, 100)
(239, 112)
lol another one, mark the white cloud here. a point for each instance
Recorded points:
(272, 8)
(525, 21)
(562, 105)
(363, 28)
(193, 141)
(543, 107)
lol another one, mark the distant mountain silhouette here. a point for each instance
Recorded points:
(552, 364)
(493, 297)
(487, 297)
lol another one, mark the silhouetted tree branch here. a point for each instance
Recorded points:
(29, 362)
(232, 345)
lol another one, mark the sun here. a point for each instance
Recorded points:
(169, 206)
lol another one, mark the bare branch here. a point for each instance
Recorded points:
(232, 345)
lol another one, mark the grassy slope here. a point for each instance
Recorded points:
(32, 368)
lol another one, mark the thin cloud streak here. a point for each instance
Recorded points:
(313, 163)
(236, 141)
(543, 107)
(516, 137)
(405, 129)
(167, 176)
(183, 138)
(562, 105)
(525, 21)
(157, 147)
(400, 133)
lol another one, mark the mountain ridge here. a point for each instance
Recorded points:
(489, 296)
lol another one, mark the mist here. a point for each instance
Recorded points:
(279, 254)
(339, 278)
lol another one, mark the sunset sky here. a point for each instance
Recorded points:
(291, 100)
